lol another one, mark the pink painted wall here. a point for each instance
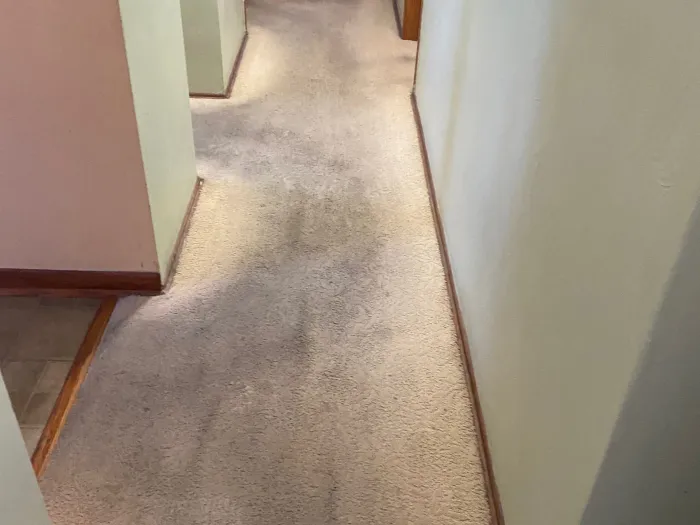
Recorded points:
(72, 186)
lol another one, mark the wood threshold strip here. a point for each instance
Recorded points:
(232, 76)
(76, 375)
(485, 453)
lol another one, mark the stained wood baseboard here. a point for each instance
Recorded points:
(76, 375)
(485, 453)
(184, 228)
(77, 283)
(232, 76)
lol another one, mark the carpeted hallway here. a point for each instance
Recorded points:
(303, 368)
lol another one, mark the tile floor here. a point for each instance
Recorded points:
(39, 338)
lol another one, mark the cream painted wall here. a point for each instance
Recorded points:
(200, 20)
(156, 60)
(566, 165)
(232, 26)
(73, 195)
(401, 5)
(442, 48)
(213, 31)
(21, 502)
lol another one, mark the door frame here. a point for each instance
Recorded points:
(409, 27)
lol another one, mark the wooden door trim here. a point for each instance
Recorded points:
(409, 27)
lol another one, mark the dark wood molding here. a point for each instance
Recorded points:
(76, 375)
(232, 76)
(491, 487)
(411, 19)
(184, 228)
(77, 283)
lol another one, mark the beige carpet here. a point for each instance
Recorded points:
(303, 369)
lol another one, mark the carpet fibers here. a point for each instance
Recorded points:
(303, 368)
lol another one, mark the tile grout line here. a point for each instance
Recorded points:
(31, 394)
(71, 385)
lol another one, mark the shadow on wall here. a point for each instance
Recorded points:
(651, 471)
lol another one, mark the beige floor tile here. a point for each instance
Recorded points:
(15, 312)
(54, 376)
(31, 435)
(39, 408)
(7, 340)
(69, 303)
(55, 333)
(26, 303)
(19, 399)
(22, 375)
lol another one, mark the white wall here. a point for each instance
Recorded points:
(566, 181)
(155, 53)
(401, 5)
(232, 26)
(20, 500)
(443, 46)
(213, 31)
(73, 195)
(200, 20)
(651, 471)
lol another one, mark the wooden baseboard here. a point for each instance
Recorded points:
(184, 228)
(77, 283)
(491, 487)
(232, 76)
(76, 375)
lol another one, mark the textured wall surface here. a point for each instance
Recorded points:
(651, 471)
(566, 165)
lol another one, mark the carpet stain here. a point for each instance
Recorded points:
(303, 368)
